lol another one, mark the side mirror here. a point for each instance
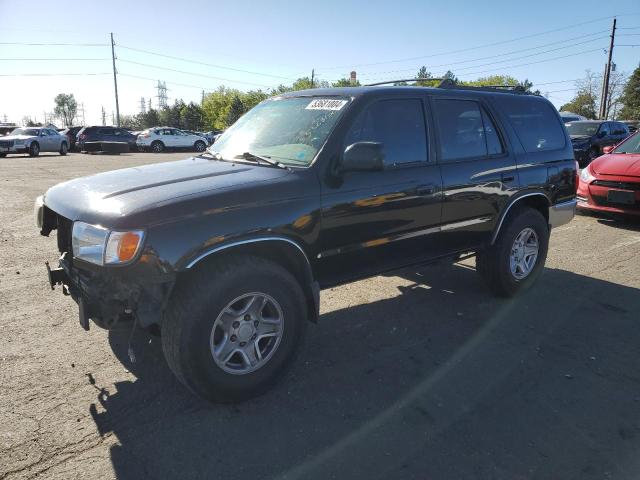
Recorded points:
(363, 157)
(607, 149)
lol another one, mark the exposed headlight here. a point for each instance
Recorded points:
(38, 211)
(100, 246)
(585, 175)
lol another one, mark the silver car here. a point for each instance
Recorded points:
(33, 140)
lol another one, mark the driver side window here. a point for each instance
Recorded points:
(604, 129)
(397, 124)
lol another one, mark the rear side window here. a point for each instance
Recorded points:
(105, 131)
(466, 131)
(398, 124)
(535, 122)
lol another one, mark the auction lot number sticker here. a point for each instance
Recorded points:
(326, 104)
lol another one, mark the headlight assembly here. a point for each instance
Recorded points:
(97, 245)
(585, 175)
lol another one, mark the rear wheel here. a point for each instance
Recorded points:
(200, 146)
(516, 259)
(63, 149)
(231, 331)
(157, 146)
(34, 149)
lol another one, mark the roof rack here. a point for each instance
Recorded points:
(449, 83)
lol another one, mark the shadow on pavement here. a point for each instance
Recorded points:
(441, 381)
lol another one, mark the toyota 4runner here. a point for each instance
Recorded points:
(225, 253)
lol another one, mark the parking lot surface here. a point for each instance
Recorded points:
(422, 374)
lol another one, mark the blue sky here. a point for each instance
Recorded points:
(261, 44)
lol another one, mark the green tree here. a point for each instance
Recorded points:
(216, 107)
(253, 97)
(630, 98)
(583, 103)
(236, 110)
(149, 119)
(345, 82)
(66, 108)
(191, 116)
(424, 73)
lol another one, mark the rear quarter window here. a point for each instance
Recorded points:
(535, 122)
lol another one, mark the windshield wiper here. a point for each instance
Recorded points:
(207, 153)
(252, 157)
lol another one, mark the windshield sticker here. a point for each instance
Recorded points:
(326, 104)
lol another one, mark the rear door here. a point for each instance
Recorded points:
(479, 171)
(380, 220)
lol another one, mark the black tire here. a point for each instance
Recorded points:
(200, 146)
(493, 263)
(64, 149)
(157, 146)
(34, 149)
(2, 155)
(192, 312)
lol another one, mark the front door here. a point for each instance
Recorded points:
(374, 221)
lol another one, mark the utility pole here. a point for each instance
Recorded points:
(313, 74)
(113, 120)
(143, 105)
(607, 72)
(115, 80)
(82, 113)
(104, 120)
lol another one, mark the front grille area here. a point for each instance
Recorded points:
(64, 235)
(6, 143)
(604, 202)
(618, 185)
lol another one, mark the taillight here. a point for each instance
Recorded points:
(83, 136)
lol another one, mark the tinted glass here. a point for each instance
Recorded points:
(398, 124)
(461, 127)
(494, 145)
(604, 129)
(536, 123)
(631, 145)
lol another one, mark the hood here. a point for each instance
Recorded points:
(17, 137)
(112, 195)
(621, 164)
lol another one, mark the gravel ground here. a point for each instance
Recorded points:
(418, 375)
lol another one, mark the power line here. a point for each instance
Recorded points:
(199, 87)
(30, 44)
(192, 73)
(53, 59)
(473, 48)
(49, 74)
(502, 55)
(528, 63)
(557, 81)
(197, 62)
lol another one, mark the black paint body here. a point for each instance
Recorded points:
(349, 225)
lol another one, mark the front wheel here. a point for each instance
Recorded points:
(34, 149)
(63, 149)
(517, 258)
(232, 329)
(157, 146)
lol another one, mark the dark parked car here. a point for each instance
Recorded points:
(590, 136)
(71, 133)
(632, 125)
(105, 134)
(226, 252)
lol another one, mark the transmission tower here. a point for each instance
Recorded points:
(162, 94)
(81, 111)
(143, 106)
(104, 120)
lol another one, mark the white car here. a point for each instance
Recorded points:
(158, 139)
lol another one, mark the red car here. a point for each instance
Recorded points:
(611, 183)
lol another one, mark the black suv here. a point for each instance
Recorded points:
(590, 136)
(105, 134)
(226, 252)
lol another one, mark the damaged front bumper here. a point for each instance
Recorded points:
(110, 297)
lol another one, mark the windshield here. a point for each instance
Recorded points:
(631, 145)
(25, 131)
(290, 130)
(582, 129)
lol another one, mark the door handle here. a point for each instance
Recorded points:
(427, 189)
(507, 178)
